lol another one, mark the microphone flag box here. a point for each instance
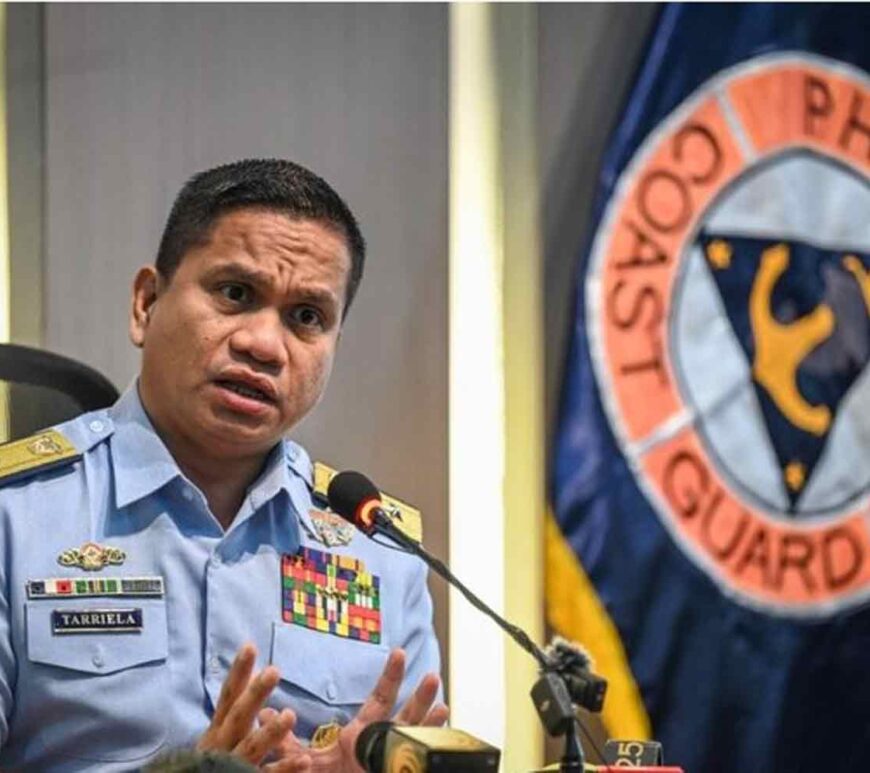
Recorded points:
(438, 750)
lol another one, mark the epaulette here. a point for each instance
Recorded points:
(40, 452)
(407, 519)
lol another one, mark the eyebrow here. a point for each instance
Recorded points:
(237, 273)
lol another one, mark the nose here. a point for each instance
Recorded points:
(260, 337)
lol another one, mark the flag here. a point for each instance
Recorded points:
(711, 473)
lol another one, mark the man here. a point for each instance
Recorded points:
(143, 546)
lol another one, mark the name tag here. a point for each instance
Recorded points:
(66, 621)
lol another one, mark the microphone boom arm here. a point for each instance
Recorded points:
(385, 525)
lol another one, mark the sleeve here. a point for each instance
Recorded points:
(419, 640)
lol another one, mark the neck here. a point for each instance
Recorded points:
(224, 484)
(224, 481)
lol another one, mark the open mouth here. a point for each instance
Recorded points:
(245, 390)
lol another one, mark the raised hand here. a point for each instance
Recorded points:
(242, 697)
(420, 709)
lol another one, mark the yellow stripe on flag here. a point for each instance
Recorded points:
(575, 612)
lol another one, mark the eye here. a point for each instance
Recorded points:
(236, 293)
(307, 316)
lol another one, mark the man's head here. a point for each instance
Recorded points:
(273, 184)
(239, 319)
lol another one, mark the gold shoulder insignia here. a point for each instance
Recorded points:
(39, 452)
(407, 519)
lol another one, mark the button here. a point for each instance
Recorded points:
(97, 658)
(331, 692)
(292, 453)
(96, 425)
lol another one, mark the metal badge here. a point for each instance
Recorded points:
(325, 736)
(71, 621)
(89, 587)
(331, 529)
(92, 557)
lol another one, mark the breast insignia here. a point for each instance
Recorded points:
(92, 557)
(43, 451)
(407, 519)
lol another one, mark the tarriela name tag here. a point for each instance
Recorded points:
(68, 621)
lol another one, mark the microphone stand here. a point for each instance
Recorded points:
(552, 694)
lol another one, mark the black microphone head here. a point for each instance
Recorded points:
(347, 491)
(371, 745)
(568, 655)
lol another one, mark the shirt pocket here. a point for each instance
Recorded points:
(325, 676)
(109, 687)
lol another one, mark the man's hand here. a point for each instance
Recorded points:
(340, 757)
(242, 697)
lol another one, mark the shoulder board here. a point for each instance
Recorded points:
(407, 519)
(40, 452)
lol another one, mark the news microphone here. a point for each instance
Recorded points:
(565, 681)
(356, 499)
(573, 663)
(384, 747)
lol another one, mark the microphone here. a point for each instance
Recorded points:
(565, 681)
(356, 499)
(386, 746)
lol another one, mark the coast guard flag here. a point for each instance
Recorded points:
(712, 470)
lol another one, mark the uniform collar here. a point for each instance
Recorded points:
(142, 463)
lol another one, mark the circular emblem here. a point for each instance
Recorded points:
(728, 310)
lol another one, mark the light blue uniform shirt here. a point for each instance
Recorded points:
(111, 701)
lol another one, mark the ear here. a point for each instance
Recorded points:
(146, 286)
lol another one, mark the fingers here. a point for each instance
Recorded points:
(289, 745)
(418, 705)
(379, 704)
(236, 681)
(240, 717)
(240, 701)
(258, 743)
(437, 716)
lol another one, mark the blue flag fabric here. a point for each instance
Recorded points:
(712, 464)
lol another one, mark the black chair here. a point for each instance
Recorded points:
(46, 388)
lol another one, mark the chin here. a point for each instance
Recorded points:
(241, 437)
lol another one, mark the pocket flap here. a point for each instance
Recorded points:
(102, 651)
(338, 671)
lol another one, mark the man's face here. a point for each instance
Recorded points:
(239, 344)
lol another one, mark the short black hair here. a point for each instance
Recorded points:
(273, 184)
